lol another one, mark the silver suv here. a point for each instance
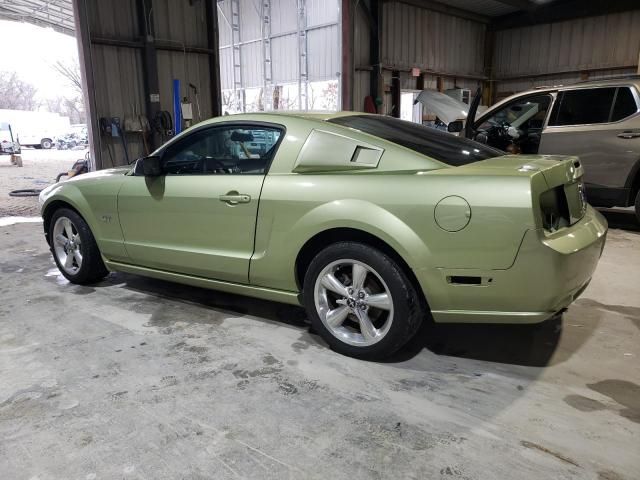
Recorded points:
(597, 120)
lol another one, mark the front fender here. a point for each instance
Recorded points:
(96, 200)
(68, 194)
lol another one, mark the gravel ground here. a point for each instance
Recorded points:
(40, 168)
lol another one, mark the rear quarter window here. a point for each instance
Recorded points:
(585, 106)
(625, 104)
(441, 146)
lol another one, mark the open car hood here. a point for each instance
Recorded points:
(447, 109)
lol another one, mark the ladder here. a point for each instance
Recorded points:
(303, 64)
(237, 57)
(266, 55)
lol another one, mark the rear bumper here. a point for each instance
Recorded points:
(548, 274)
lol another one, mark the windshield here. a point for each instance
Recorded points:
(517, 113)
(446, 148)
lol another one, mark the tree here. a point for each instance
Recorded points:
(16, 94)
(69, 106)
(71, 71)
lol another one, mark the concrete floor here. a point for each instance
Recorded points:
(136, 378)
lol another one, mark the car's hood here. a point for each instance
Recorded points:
(85, 180)
(108, 172)
(447, 109)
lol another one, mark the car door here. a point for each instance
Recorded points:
(602, 127)
(199, 216)
(516, 127)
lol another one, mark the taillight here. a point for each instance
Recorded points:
(554, 209)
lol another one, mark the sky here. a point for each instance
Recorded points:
(30, 51)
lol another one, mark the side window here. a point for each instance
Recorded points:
(223, 150)
(582, 107)
(625, 104)
(524, 113)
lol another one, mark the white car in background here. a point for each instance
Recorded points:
(8, 145)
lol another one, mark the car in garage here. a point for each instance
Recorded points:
(372, 223)
(599, 121)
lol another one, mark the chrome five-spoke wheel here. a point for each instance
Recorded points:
(353, 302)
(67, 245)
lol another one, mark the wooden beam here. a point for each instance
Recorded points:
(562, 10)
(442, 8)
(520, 4)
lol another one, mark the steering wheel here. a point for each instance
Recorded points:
(497, 135)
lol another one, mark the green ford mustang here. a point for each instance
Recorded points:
(372, 223)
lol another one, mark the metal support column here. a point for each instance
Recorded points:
(376, 84)
(83, 37)
(346, 73)
(215, 86)
(395, 93)
(150, 66)
(487, 85)
(303, 63)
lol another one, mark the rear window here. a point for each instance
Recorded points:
(446, 148)
(592, 105)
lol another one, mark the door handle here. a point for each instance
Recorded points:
(629, 134)
(233, 198)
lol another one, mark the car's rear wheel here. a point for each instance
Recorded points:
(637, 206)
(46, 143)
(360, 301)
(74, 248)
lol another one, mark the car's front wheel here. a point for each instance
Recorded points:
(360, 301)
(637, 206)
(74, 248)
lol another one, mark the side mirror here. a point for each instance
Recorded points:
(151, 166)
(455, 126)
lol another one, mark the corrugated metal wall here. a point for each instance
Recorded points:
(433, 41)
(118, 70)
(417, 37)
(600, 47)
(323, 43)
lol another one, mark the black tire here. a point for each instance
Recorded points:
(92, 268)
(46, 143)
(637, 206)
(409, 308)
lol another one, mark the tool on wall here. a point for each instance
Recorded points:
(162, 124)
(187, 112)
(139, 124)
(197, 98)
(111, 127)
